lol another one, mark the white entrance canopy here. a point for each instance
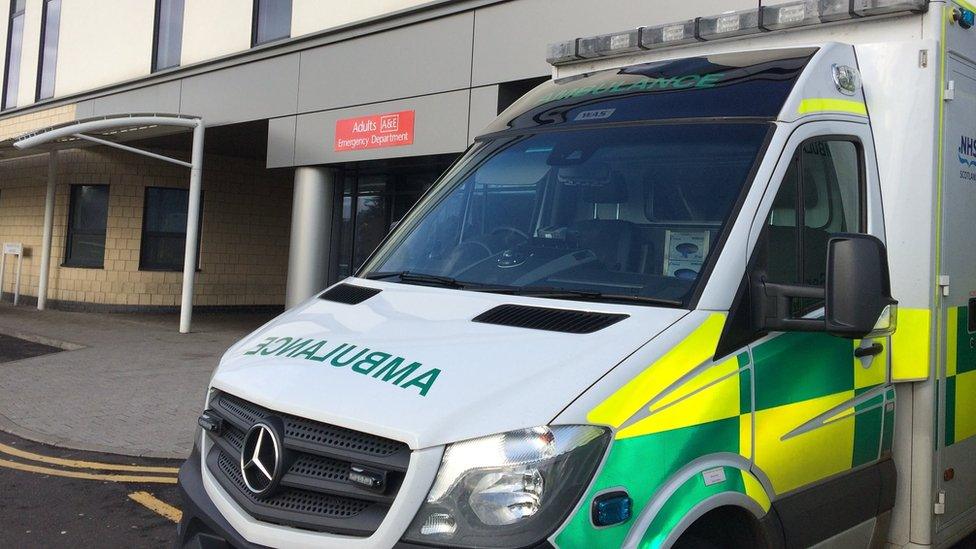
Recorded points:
(113, 131)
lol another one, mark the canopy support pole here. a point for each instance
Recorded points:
(135, 150)
(52, 176)
(192, 228)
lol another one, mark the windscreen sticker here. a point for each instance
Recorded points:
(644, 84)
(595, 114)
(378, 365)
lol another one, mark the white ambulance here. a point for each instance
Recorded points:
(714, 285)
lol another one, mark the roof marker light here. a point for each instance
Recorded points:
(786, 15)
(672, 34)
(616, 43)
(729, 24)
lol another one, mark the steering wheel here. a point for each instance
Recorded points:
(510, 230)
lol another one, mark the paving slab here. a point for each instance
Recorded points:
(124, 383)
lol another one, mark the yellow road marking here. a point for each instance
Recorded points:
(156, 505)
(77, 464)
(88, 476)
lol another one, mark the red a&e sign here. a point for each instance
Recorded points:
(376, 131)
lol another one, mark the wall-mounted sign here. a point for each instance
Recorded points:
(376, 131)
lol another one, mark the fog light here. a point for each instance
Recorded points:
(439, 524)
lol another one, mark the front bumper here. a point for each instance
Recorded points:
(202, 525)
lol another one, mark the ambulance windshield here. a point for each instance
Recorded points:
(620, 213)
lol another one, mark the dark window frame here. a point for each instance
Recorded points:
(143, 232)
(6, 61)
(154, 67)
(255, 12)
(68, 261)
(40, 53)
(738, 331)
(801, 195)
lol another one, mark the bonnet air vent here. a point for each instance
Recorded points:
(553, 320)
(349, 294)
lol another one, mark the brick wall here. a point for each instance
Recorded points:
(245, 229)
(16, 125)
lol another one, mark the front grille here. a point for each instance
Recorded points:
(315, 492)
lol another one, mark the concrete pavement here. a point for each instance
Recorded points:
(125, 384)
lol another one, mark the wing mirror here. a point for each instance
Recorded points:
(857, 294)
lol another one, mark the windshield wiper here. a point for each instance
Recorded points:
(583, 295)
(418, 278)
(528, 291)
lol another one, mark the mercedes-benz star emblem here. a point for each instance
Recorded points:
(261, 459)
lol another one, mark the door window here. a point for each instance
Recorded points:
(820, 196)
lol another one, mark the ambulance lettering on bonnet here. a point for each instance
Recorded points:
(376, 364)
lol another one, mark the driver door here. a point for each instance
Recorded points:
(819, 400)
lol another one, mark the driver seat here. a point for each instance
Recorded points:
(616, 242)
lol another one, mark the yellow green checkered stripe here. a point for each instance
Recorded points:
(960, 390)
(686, 406)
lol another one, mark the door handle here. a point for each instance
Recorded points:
(873, 350)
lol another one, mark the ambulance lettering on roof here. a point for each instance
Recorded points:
(375, 131)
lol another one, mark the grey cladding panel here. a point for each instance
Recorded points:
(511, 38)
(262, 89)
(84, 109)
(161, 98)
(484, 109)
(281, 142)
(440, 127)
(429, 57)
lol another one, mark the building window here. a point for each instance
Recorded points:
(48, 56)
(164, 229)
(15, 41)
(167, 34)
(87, 217)
(271, 20)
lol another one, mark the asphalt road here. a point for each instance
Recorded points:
(69, 498)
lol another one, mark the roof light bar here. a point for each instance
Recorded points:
(671, 34)
(562, 52)
(790, 14)
(729, 24)
(866, 8)
(771, 15)
(836, 10)
(609, 44)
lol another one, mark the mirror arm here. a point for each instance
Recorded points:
(776, 314)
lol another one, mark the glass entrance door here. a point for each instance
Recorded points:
(376, 195)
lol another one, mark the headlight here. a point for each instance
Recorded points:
(511, 489)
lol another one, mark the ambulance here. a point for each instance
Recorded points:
(712, 286)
